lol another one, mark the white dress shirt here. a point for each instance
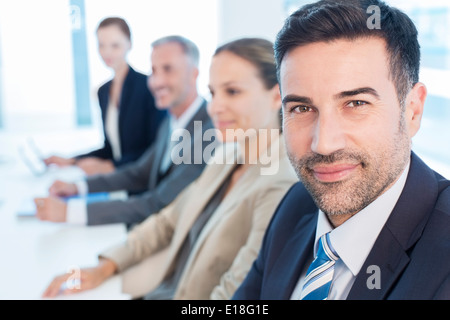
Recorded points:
(112, 130)
(77, 208)
(354, 239)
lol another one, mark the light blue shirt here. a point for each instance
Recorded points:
(354, 239)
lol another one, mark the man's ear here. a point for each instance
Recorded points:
(195, 73)
(276, 97)
(415, 102)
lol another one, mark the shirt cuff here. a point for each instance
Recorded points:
(82, 187)
(77, 212)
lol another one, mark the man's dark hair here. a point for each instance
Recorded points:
(328, 20)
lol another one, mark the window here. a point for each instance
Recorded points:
(50, 65)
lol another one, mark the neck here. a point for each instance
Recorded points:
(121, 71)
(178, 109)
(338, 219)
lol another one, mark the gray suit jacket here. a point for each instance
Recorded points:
(150, 192)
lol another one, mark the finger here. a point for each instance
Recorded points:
(55, 286)
(54, 187)
(72, 285)
(57, 188)
(40, 207)
(39, 202)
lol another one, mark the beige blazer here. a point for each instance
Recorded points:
(228, 243)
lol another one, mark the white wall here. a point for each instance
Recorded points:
(250, 18)
(150, 20)
(37, 69)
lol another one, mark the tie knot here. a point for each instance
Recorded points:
(326, 251)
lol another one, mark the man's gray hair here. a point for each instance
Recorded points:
(189, 48)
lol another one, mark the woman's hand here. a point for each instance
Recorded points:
(59, 161)
(82, 280)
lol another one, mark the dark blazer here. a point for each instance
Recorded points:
(141, 178)
(139, 119)
(412, 249)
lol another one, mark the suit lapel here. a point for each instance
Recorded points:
(224, 208)
(213, 221)
(402, 230)
(196, 131)
(125, 97)
(385, 264)
(189, 215)
(246, 182)
(193, 143)
(160, 145)
(298, 251)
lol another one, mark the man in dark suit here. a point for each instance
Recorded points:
(154, 180)
(369, 220)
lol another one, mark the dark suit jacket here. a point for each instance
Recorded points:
(139, 119)
(412, 249)
(151, 191)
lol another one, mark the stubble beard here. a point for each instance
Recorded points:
(377, 171)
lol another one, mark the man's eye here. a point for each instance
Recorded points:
(301, 109)
(356, 103)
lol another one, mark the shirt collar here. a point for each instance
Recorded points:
(183, 120)
(354, 239)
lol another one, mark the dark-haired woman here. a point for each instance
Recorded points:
(129, 115)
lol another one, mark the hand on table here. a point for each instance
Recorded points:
(84, 279)
(93, 166)
(51, 209)
(59, 161)
(63, 189)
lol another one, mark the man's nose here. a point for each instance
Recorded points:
(328, 134)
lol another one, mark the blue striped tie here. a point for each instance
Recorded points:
(320, 273)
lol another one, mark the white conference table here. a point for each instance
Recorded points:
(33, 252)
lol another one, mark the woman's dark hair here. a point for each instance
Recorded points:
(328, 20)
(116, 21)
